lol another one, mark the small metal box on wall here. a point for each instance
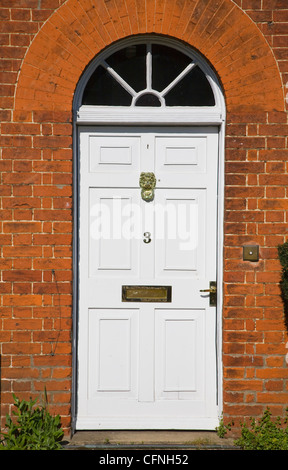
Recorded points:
(251, 253)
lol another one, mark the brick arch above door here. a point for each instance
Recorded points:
(80, 29)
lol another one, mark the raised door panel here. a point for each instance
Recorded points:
(180, 354)
(114, 153)
(113, 238)
(181, 154)
(180, 226)
(113, 353)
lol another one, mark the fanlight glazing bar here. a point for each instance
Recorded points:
(177, 79)
(149, 68)
(119, 79)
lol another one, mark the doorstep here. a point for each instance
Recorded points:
(137, 440)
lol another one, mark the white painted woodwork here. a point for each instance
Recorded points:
(144, 365)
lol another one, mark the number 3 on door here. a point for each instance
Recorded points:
(147, 237)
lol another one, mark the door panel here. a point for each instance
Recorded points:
(181, 154)
(112, 244)
(145, 364)
(119, 153)
(179, 354)
(113, 346)
(180, 232)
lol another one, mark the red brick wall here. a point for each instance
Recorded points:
(36, 228)
(44, 50)
(254, 332)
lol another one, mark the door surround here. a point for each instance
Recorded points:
(190, 116)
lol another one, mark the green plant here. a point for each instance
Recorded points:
(283, 258)
(267, 434)
(34, 429)
(222, 429)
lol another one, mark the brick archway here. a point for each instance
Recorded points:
(78, 30)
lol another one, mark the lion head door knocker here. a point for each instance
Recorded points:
(147, 182)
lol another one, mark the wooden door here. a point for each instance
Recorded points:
(147, 364)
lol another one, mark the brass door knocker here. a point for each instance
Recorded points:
(147, 182)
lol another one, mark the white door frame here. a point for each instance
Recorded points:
(96, 115)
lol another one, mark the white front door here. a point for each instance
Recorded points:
(146, 356)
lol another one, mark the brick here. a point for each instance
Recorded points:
(25, 251)
(24, 300)
(21, 153)
(16, 227)
(21, 178)
(52, 215)
(272, 204)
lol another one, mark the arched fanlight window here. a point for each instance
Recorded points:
(148, 74)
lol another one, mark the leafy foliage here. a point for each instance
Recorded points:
(268, 434)
(283, 258)
(222, 429)
(283, 255)
(35, 428)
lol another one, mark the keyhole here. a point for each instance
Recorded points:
(147, 237)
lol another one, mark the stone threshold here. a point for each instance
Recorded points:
(143, 440)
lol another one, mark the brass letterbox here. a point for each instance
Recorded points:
(146, 293)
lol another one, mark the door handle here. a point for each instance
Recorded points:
(212, 290)
(213, 293)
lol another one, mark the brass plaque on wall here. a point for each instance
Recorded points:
(146, 293)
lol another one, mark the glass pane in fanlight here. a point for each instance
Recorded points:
(130, 64)
(193, 90)
(148, 100)
(167, 64)
(103, 90)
